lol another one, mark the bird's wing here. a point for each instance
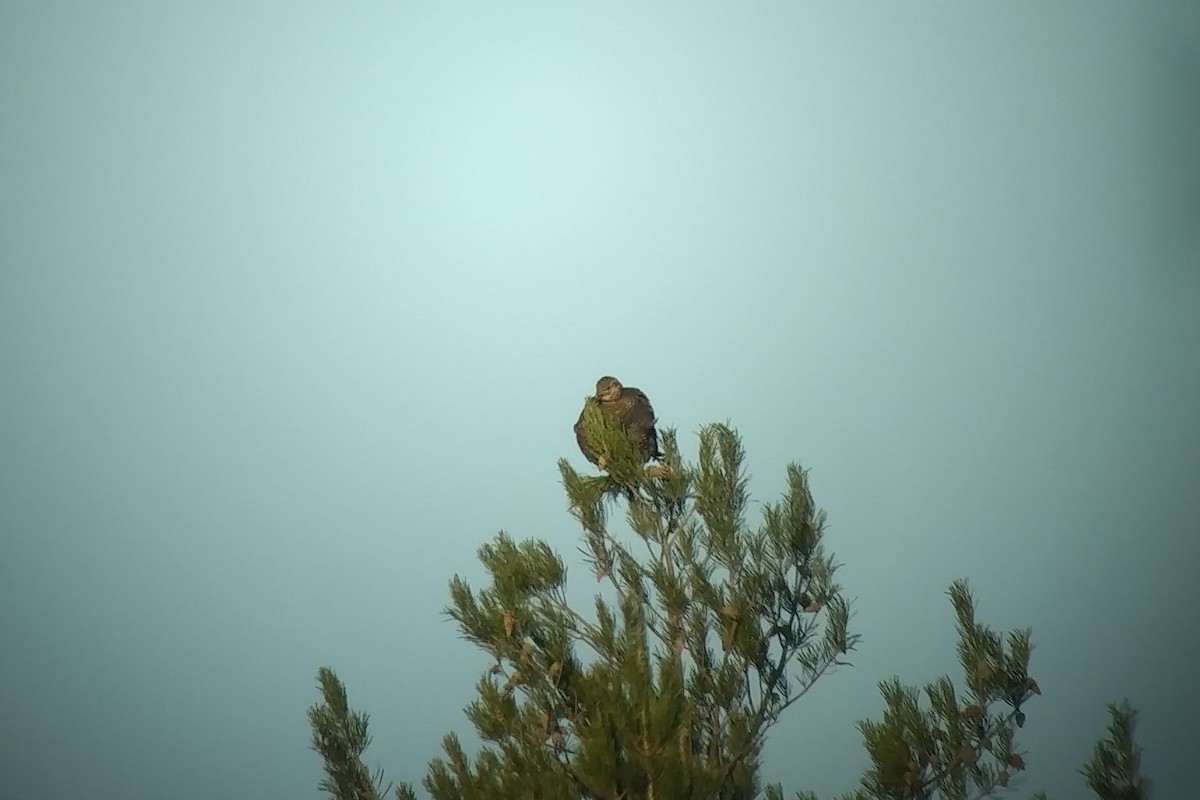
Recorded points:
(638, 419)
(582, 440)
(636, 410)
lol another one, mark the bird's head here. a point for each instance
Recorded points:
(608, 389)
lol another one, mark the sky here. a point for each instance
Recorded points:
(299, 302)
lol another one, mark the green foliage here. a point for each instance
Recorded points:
(1114, 773)
(693, 648)
(340, 736)
(620, 456)
(692, 651)
(951, 741)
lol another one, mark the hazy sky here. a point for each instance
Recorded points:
(299, 302)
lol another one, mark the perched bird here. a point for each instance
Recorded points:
(631, 410)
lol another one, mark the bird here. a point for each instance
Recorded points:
(631, 410)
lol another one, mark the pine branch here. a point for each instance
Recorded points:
(339, 734)
(954, 749)
(1114, 773)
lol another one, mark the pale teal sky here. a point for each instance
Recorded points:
(299, 301)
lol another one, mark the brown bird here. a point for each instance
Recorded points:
(629, 408)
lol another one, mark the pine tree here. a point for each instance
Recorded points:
(691, 653)
(702, 633)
